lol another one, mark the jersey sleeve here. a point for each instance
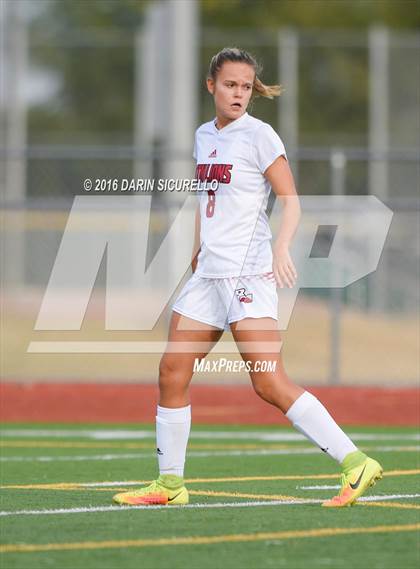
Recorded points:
(267, 146)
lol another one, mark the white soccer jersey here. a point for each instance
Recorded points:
(235, 234)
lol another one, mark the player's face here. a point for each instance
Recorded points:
(232, 90)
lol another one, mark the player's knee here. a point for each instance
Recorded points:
(167, 369)
(171, 375)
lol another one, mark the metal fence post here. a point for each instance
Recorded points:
(338, 174)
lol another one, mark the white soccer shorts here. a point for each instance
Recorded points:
(220, 301)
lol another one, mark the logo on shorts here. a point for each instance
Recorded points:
(243, 296)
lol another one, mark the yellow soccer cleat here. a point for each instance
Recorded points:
(167, 490)
(354, 482)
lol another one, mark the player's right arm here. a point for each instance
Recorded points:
(196, 247)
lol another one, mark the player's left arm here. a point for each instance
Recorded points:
(282, 183)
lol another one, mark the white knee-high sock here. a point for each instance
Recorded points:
(309, 416)
(172, 432)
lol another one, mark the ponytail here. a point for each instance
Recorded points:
(268, 91)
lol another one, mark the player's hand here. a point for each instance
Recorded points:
(283, 267)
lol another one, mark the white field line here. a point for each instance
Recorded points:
(96, 509)
(135, 456)
(322, 487)
(119, 434)
(192, 454)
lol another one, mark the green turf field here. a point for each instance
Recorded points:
(255, 501)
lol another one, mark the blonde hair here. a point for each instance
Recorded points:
(259, 89)
(269, 91)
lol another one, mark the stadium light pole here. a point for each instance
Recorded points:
(167, 101)
(151, 86)
(183, 108)
(183, 88)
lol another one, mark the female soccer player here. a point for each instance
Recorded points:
(234, 285)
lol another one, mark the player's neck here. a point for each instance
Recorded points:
(221, 121)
